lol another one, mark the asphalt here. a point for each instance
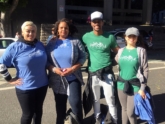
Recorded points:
(10, 111)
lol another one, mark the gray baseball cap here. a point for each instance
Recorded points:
(132, 31)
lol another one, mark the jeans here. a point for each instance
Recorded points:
(31, 102)
(108, 88)
(74, 100)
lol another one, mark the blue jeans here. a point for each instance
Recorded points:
(74, 100)
(31, 102)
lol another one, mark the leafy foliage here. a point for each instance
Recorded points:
(5, 4)
(3, 1)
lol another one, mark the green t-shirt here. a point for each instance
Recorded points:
(99, 48)
(128, 67)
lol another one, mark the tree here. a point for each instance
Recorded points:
(7, 7)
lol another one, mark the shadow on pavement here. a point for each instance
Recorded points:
(156, 54)
(104, 113)
(159, 112)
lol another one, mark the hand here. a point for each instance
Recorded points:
(142, 94)
(58, 71)
(16, 81)
(53, 38)
(67, 71)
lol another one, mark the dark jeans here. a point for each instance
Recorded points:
(31, 102)
(74, 100)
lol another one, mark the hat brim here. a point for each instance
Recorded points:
(96, 19)
(132, 34)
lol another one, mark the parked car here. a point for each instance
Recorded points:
(4, 43)
(119, 35)
(146, 38)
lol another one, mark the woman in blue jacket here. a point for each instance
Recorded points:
(29, 58)
(66, 55)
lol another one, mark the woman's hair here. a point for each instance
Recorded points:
(28, 23)
(140, 41)
(72, 28)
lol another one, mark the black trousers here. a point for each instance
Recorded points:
(74, 100)
(31, 102)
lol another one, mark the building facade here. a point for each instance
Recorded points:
(115, 11)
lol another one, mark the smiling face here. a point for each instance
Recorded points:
(97, 25)
(29, 33)
(63, 30)
(131, 40)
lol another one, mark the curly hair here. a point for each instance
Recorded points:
(140, 42)
(72, 28)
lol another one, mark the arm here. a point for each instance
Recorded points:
(116, 58)
(7, 60)
(115, 50)
(144, 65)
(72, 69)
(56, 70)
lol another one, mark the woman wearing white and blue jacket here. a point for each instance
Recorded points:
(66, 55)
(29, 57)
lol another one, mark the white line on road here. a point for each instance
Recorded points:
(84, 77)
(156, 68)
(156, 61)
(7, 88)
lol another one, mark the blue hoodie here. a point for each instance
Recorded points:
(143, 108)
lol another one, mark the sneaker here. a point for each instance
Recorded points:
(114, 121)
(98, 120)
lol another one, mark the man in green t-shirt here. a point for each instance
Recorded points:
(99, 45)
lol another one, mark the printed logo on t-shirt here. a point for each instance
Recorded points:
(97, 45)
(37, 53)
(63, 45)
(128, 58)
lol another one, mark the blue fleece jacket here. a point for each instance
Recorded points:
(143, 108)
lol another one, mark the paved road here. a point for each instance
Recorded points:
(10, 111)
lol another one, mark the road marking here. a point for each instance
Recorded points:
(84, 77)
(156, 61)
(156, 68)
(2, 82)
(7, 88)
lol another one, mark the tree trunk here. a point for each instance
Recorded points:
(6, 19)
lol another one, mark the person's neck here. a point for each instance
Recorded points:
(98, 32)
(130, 46)
(62, 38)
